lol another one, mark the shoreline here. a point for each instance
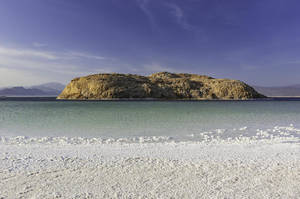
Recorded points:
(54, 98)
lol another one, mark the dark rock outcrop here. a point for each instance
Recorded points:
(161, 85)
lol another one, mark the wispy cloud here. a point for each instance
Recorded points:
(179, 15)
(38, 45)
(25, 66)
(292, 62)
(46, 65)
(175, 10)
(23, 53)
(73, 54)
(154, 68)
(143, 4)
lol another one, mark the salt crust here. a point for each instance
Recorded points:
(150, 170)
(264, 164)
(242, 135)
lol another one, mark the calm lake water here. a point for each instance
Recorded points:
(182, 120)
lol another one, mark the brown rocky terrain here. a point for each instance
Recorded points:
(162, 85)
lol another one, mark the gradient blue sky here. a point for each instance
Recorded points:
(256, 41)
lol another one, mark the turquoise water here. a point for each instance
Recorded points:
(118, 119)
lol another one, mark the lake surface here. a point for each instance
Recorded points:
(152, 120)
(227, 149)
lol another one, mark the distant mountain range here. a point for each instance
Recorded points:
(291, 91)
(48, 89)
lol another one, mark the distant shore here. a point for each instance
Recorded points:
(53, 98)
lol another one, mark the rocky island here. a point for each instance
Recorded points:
(162, 85)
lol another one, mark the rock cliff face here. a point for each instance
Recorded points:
(161, 85)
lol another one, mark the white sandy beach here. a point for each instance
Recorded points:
(258, 169)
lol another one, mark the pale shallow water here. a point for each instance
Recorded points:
(207, 149)
(180, 121)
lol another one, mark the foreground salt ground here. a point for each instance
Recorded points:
(261, 169)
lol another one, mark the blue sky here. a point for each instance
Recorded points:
(255, 41)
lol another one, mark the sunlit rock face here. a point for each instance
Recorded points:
(162, 85)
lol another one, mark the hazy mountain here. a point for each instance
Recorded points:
(21, 91)
(52, 87)
(292, 90)
(48, 89)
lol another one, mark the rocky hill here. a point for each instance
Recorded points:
(161, 85)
